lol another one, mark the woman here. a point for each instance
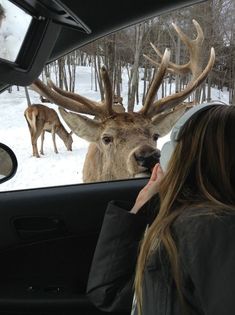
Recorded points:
(186, 260)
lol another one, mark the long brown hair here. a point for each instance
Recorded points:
(201, 172)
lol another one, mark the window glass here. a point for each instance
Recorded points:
(126, 145)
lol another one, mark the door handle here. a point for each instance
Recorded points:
(37, 228)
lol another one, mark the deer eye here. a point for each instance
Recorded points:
(107, 139)
(155, 136)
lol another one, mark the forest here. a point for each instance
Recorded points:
(125, 50)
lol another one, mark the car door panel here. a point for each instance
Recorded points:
(47, 243)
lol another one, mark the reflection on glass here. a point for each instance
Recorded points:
(6, 164)
(14, 24)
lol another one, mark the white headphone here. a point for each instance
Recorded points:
(169, 146)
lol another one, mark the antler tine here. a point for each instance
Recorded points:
(156, 82)
(200, 35)
(194, 46)
(172, 67)
(107, 91)
(157, 52)
(171, 101)
(66, 99)
(91, 105)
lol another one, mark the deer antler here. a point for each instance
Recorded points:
(193, 66)
(80, 104)
(69, 100)
(194, 47)
(156, 82)
(175, 99)
(107, 91)
(76, 102)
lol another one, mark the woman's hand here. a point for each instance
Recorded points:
(150, 189)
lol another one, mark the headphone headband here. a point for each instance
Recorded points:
(175, 133)
(169, 146)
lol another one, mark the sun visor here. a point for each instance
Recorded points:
(28, 33)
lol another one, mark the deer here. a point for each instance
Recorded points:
(41, 118)
(124, 144)
(117, 104)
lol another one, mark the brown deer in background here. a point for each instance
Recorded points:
(123, 145)
(41, 118)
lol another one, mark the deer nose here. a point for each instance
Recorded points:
(147, 157)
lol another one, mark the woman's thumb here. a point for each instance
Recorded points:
(160, 173)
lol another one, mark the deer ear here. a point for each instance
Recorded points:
(82, 126)
(165, 121)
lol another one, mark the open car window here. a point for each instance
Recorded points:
(103, 146)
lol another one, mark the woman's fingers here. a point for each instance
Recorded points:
(154, 173)
(160, 173)
(150, 189)
(157, 173)
(156, 179)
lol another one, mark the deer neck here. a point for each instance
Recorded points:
(98, 168)
(62, 133)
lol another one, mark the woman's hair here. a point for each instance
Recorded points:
(200, 172)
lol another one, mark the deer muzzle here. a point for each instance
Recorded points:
(147, 157)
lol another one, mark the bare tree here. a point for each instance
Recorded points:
(134, 74)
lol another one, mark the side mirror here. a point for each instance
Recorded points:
(8, 163)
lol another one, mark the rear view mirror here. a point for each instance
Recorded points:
(8, 163)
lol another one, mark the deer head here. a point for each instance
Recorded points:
(123, 145)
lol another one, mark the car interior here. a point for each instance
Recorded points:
(49, 234)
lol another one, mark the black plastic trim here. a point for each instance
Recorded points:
(36, 49)
(14, 163)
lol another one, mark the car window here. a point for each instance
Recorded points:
(106, 147)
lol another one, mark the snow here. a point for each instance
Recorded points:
(51, 169)
(13, 30)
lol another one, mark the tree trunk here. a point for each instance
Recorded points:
(139, 31)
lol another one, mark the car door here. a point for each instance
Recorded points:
(48, 237)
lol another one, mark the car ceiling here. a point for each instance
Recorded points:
(104, 17)
(101, 17)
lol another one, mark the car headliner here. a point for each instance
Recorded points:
(104, 17)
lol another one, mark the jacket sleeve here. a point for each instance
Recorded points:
(208, 255)
(110, 283)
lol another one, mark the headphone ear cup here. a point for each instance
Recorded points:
(166, 153)
(169, 146)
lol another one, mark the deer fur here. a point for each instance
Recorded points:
(132, 135)
(41, 118)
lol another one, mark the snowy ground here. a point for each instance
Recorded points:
(51, 169)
